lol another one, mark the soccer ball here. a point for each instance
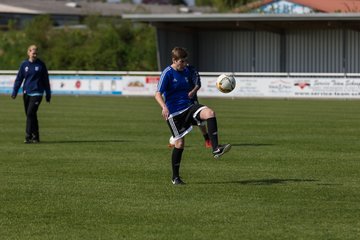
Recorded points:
(172, 140)
(225, 83)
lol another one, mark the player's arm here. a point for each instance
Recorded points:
(160, 100)
(197, 82)
(193, 92)
(18, 81)
(46, 84)
(161, 89)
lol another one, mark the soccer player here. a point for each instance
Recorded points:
(180, 113)
(194, 86)
(36, 76)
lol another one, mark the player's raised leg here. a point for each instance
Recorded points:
(218, 150)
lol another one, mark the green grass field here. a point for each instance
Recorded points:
(103, 171)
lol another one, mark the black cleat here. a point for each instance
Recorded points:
(221, 150)
(35, 138)
(177, 181)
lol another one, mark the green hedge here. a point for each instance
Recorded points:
(104, 45)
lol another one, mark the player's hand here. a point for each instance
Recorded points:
(165, 112)
(191, 94)
(48, 98)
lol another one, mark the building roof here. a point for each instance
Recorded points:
(331, 5)
(84, 7)
(219, 17)
(14, 9)
(326, 6)
(250, 21)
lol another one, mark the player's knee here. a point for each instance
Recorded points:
(207, 113)
(179, 143)
(210, 113)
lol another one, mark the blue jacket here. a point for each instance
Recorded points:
(36, 79)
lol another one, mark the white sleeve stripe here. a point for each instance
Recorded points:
(162, 78)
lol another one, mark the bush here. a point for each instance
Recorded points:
(104, 44)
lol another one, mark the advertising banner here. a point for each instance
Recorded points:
(140, 85)
(6, 83)
(257, 87)
(298, 87)
(91, 85)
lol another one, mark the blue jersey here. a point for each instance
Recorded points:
(174, 86)
(36, 78)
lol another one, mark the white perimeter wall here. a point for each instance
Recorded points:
(261, 85)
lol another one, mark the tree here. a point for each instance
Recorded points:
(106, 44)
(37, 30)
(223, 5)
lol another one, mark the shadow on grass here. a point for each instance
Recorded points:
(261, 181)
(84, 141)
(250, 144)
(239, 145)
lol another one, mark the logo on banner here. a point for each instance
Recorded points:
(151, 79)
(302, 85)
(78, 84)
(135, 84)
(280, 86)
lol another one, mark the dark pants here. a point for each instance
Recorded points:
(31, 104)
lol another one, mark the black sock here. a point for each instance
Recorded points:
(206, 136)
(212, 131)
(175, 161)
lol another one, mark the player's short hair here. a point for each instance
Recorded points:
(178, 53)
(33, 46)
